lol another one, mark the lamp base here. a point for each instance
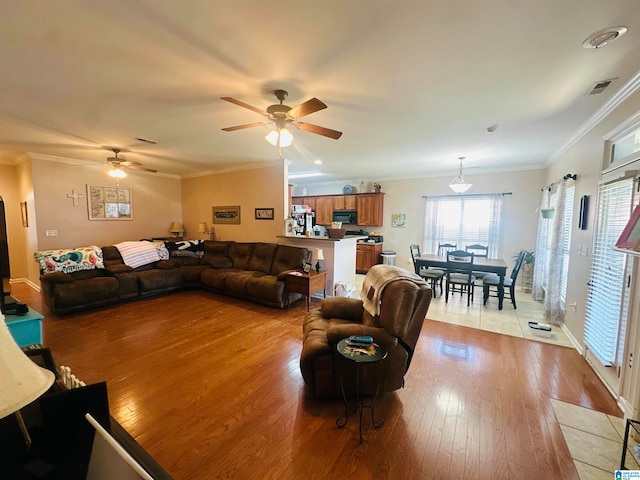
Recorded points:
(318, 266)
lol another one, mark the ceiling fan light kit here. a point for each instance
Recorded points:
(458, 184)
(117, 164)
(117, 172)
(283, 115)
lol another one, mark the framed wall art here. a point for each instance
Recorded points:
(25, 215)
(630, 237)
(229, 215)
(109, 203)
(398, 220)
(264, 213)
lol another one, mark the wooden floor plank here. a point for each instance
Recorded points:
(211, 387)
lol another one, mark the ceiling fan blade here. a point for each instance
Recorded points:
(246, 125)
(327, 132)
(310, 106)
(140, 167)
(244, 105)
(128, 163)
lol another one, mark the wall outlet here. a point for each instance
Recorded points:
(51, 233)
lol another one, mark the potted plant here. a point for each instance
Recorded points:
(527, 270)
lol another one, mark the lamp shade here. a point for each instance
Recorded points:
(318, 254)
(203, 227)
(21, 380)
(176, 227)
(285, 137)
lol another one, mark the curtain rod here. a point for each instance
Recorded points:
(568, 176)
(458, 195)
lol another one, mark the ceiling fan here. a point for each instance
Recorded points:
(282, 115)
(117, 163)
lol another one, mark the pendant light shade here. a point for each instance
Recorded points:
(458, 184)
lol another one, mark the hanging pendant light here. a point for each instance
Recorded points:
(458, 184)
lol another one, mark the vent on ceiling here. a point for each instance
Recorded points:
(600, 86)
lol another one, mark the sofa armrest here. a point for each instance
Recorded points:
(118, 268)
(56, 277)
(282, 276)
(335, 333)
(166, 264)
(342, 307)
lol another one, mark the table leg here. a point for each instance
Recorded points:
(500, 292)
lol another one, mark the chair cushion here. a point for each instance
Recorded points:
(428, 273)
(461, 278)
(495, 280)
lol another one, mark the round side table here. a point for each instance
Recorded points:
(362, 356)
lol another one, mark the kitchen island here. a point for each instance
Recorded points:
(339, 256)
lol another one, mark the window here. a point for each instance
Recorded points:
(607, 297)
(463, 220)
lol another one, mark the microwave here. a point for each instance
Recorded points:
(347, 217)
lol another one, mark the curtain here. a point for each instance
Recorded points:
(541, 249)
(553, 304)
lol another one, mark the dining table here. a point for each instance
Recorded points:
(480, 264)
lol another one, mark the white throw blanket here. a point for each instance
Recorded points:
(136, 254)
(378, 277)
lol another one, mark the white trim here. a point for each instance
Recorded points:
(27, 281)
(620, 96)
(576, 344)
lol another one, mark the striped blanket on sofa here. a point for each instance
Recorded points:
(136, 254)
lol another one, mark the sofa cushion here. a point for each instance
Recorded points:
(88, 291)
(155, 280)
(218, 261)
(213, 247)
(70, 260)
(118, 268)
(289, 258)
(265, 287)
(216, 279)
(240, 254)
(262, 257)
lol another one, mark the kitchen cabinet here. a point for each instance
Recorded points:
(370, 208)
(367, 255)
(324, 210)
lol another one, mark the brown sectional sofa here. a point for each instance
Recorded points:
(253, 271)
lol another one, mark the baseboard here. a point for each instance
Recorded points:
(27, 281)
(576, 344)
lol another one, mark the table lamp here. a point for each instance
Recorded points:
(22, 380)
(176, 228)
(204, 228)
(318, 255)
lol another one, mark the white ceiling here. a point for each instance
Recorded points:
(413, 84)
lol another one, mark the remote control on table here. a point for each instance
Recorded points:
(361, 339)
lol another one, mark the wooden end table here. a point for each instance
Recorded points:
(306, 284)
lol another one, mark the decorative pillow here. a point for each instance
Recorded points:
(70, 260)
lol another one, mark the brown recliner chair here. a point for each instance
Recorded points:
(404, 301)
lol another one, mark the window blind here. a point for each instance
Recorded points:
(463, 220)
(566, 242)
(607, 297)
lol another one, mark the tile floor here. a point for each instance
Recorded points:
(593, 438)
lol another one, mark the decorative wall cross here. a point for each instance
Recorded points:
(75, 195)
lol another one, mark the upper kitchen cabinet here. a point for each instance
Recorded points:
(370, 208)
(324, 210)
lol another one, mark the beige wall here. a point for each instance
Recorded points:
(585, 159)
(10, 193)
(405, 196)
(263, 187)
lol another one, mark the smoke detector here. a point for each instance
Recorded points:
(604, 37)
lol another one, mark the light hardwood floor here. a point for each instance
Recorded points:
(211, 387)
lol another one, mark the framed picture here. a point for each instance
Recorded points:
(306, 268)
(229, 215)
(398, 220)
(25, 216)
(109, 203)
(631, 234)
(264, 213)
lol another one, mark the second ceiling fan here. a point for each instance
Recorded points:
(282, 115)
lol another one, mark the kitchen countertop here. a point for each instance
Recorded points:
(366, 242)
(327, 239)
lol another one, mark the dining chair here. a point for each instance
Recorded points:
(493, 280)
(460, 272)
(443, 248)
(478, 250)
(433, 275)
